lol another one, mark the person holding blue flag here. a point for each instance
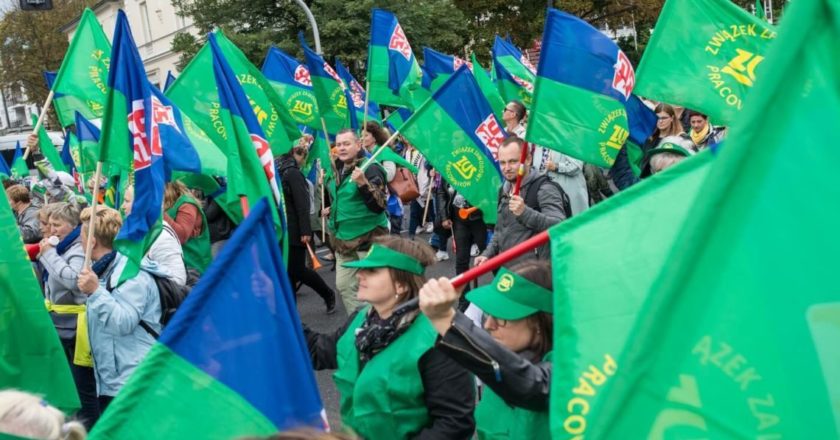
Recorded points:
(394, 383)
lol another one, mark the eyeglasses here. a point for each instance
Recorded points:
(662, 118)
(299, 151)
(499, 322)
(509, 110)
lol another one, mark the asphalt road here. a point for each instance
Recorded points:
(312, 312)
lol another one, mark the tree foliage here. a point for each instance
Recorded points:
(32, 42)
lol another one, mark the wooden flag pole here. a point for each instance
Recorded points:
(40, 120)
(92, 224)
(376, 153)
(323, 206)
(364, 110)
(428, 197)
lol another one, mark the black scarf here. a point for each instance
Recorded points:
(68, 240)
(101, 265)
(376, 333)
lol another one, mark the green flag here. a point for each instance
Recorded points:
(81, 84)
(463, 142)
(710, 67)
(329, 90)
(759, 10)
(515, 76)
(583, 246)
(485, 83)
(739, 335)
(195, 93)
(19, 167)
(47, 147)
(390, 155)
(31, 356)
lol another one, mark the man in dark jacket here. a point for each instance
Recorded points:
(25, 213)
(468, 231)
(520, 217)
(296, 194)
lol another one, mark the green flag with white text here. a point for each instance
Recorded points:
(704, 55)
(739, 335)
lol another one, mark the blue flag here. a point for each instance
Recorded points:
(141, 129)
(5, 171)
(49, 78)
(356, 95)
(86, 131)
(170, 79)
(438, 67)
(233, 361)
(590, 60)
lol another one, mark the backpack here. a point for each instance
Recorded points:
(532, 198)
(171, 296)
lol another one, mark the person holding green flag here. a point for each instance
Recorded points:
(511, 356)
(357, 211)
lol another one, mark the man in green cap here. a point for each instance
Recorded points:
(356, 213)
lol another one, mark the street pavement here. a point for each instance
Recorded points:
(312, 313)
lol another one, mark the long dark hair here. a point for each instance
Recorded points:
(541, 323)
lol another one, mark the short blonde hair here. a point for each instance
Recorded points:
(108, 224)
(46, 211)
(28, 415)
(66, 212)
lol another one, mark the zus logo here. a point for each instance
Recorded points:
(458, 62)
(624, 79)
(399, 43)
(527, 85)
(490, 135)
(147, 146)
(302, 76)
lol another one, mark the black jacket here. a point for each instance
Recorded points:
(296, 194)
(518, 381)
(449, 389)
(218, 223)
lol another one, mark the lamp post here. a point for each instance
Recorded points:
(313, 24)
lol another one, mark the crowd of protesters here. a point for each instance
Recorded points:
(402, 371)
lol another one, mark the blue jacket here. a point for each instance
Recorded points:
(117, 341)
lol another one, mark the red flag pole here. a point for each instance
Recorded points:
(489, 265)
(243, 200)
(520, 173)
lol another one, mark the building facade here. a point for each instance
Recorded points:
(154, 24)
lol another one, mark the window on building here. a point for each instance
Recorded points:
(144, 19)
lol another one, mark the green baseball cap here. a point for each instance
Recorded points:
(512, 297)
(381, 256)
(668, 147)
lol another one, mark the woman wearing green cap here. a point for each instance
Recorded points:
(394, 383)
(512, 357)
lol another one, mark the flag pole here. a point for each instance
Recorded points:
(92, 224)
(365, 109)
(488, 266)
(323, 203)
(327, 140)
(376, 153)
(428, 197)
(40, 120)
(520, 173)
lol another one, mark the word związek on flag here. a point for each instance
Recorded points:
(233, 361)
(738, 335)
(596, 81)
(710, 68)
